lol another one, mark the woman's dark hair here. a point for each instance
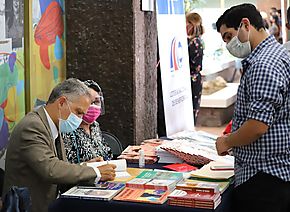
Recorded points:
(232, 17)
(92, 84)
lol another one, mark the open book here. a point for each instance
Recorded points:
(121, 167)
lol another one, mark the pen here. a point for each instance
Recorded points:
(107, 159)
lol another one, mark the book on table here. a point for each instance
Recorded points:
(131, 153)
(207, 172)
(204, 187)
(100, 191)
(206, 184)
(194, 199)
(195, 148)
(121, 167)
(142, 195)
(158, 180)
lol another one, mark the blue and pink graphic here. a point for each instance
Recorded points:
(176, 55)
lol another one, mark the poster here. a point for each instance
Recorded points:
(47, 48)
(174, 64)
(12, 93)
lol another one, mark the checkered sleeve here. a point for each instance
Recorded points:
(265, 91)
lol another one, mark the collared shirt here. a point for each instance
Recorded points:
(264, 95)
(54, 133)
(52, 126)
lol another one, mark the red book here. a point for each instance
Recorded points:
(200, 197)
(180, 167)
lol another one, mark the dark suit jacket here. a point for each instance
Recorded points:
(31, 161)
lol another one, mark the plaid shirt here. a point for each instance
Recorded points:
(264, 95)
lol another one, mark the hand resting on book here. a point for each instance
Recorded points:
(120, 167)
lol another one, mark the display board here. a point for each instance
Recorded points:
(174, 65)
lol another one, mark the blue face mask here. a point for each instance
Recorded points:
(70, 124)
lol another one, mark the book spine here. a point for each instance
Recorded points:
(156, 187)
(139, 186)
(84, 197)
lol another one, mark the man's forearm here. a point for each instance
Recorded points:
(249, 132)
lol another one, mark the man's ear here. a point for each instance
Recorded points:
(61, 100)
(288, 26)
(246, 23)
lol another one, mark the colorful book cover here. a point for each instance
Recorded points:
(180, 167)
(148, 179)
(101, 191)
(160, 184)
(137, 183)
(142, 195)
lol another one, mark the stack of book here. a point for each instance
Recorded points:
(159, 180)
(131, 153)
(150, 187)
(165, 156)
(196, 194)
(200, 196)
(214, 170)
(195, 147)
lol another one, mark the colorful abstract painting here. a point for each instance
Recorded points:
(47, 48)
(12, 93)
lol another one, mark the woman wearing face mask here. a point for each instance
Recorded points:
(195, 30)
(86, 144)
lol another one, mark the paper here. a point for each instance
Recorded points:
(121, 167)
(207, 172)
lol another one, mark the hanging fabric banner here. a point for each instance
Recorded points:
(174, 65)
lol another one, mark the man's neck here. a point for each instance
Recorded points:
(258, 37)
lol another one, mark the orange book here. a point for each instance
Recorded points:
(142, 195)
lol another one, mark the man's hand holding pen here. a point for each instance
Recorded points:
(107, 172)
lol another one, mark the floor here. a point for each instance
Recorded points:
(212, 130)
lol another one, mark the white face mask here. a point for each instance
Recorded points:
(239, 49)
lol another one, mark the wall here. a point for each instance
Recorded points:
(114, 43)
(265, 5)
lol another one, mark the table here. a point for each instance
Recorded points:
(80, 205)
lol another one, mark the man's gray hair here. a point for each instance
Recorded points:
(71, 88)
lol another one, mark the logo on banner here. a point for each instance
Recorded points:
(176, 56)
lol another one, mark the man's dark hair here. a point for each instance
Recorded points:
(232, 17)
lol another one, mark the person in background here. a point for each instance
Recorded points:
(86, 143)
(265, 19)
(273, 11)
(275, 27)
(35, 156)
(259, 139)
(194, 31)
